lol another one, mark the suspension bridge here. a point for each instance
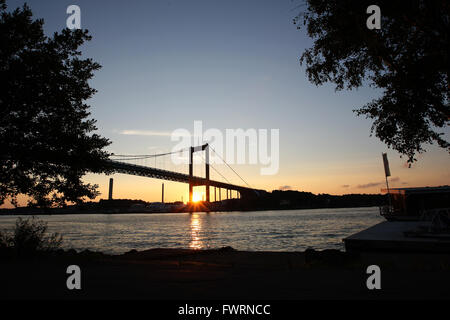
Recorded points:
(121, 164)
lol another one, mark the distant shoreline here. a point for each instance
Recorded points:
(19, 212)
(276, 200)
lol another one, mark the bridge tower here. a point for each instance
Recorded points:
(205, 148)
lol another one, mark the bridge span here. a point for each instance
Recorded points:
(145, 171)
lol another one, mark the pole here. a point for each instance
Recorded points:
(389, 194)
(191, 173)
(110, 196)
(207, 171)
(387, 173)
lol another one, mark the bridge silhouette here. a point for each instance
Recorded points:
(119, 166)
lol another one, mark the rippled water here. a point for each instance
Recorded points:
(287, 230)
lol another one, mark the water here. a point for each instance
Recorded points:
(285, 230)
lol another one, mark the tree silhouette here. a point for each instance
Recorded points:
(46, 136)
(407, 58)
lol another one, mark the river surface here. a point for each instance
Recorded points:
(284, 230)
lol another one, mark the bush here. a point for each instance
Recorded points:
(29, 237)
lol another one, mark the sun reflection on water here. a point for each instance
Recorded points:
(196, 227)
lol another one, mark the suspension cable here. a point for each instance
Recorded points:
(230, 166)
(145, 156)
(216, 170)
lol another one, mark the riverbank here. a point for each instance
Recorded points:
(226, 274)
(276, 200)
(26, 211)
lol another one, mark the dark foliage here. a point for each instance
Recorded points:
(407, 58)
(299, 199)
(29, 237)
(279, 200)
(46, 136)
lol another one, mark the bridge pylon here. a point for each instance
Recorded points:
(205, 148)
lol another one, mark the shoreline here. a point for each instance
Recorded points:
(6, 212)
(225, 273)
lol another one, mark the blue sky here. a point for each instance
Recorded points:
(231, 64)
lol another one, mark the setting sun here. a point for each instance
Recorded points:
(197, 196)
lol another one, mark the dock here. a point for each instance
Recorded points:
(398, 236)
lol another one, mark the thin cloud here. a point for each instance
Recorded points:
(369, 185)
(146, 133)
(345, 186)
(376, 184)
(284, 188)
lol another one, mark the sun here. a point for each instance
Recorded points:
(197, 196)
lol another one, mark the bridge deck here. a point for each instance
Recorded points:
(150, 172)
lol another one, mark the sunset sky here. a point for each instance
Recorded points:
(230, 64)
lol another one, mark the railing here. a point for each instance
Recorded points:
(439, 217)
(386, 211)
